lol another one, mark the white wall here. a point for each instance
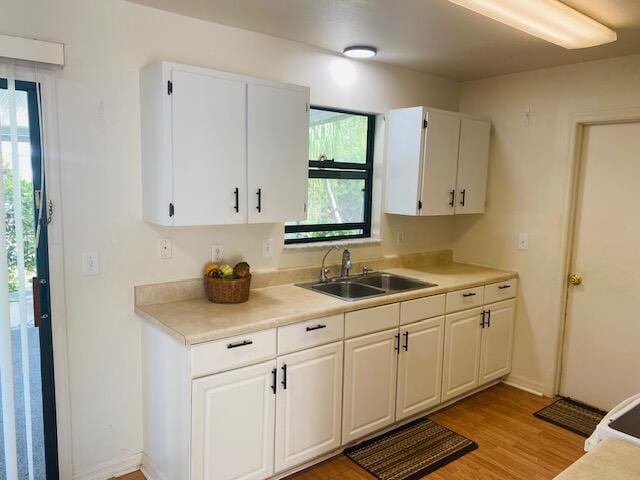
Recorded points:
(528, 182)
(106, 44)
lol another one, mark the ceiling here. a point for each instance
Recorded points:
(433, 36)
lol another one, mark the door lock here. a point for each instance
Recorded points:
(575, 279)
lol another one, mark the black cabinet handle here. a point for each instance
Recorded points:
(468, 294)
(463, 193)
(274, 374)
(397, 347)
(284, 376)
(236, 192)
(406, 342)
(453, 198)
(484, 312)
(317, 327)
(488, 318)
(243, 343)
(502, 287)
(259, 194)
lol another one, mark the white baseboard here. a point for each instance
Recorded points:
(525, 384)
(149, 469)
(114, 468)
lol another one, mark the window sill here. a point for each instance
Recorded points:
(354, 242)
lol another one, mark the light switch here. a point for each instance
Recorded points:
(166, 251)
(267, 248)
(90, 263)
(523, 241)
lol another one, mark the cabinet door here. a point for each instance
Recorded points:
(420, 367)
(462, 339)
(440, 163)
(233, 422)
(497, 341)
(308, 405)
(278, 153)
(404, 160)
(209, 149)
(370, 368)
(473, 162)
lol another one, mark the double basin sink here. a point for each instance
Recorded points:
(366, 286)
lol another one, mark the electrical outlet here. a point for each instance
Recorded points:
(217, 253)
(523, 241)
(90, 263)
(166, 251)
(267, 248)
(399, 238)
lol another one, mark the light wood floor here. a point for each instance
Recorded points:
(513, 444)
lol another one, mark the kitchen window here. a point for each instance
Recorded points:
(340, 177)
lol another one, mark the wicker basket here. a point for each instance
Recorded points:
(234, 290)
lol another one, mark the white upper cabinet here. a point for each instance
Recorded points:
(278, 151)
(212, 140)
(473, 162)
(441, 137)
(208, 119)
(436, 162)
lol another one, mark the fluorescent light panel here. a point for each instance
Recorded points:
(550, 20)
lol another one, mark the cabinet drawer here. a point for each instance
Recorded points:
(371, 320)
(421, 309)
(232, 352)
(500, 291)
(310, 333)
(463, 299)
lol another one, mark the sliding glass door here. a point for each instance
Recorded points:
(28, 445)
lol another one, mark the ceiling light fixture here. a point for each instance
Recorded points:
(360, 51)
(550, 20)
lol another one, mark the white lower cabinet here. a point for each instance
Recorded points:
(419, 367)
(370, 367)
(497, 340)
(463, 334)
(233, 419)
(308, 405)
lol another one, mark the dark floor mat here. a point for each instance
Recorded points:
(572, 415)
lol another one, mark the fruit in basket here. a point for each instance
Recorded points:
(226, 271)
(242, 270)
(211, 269)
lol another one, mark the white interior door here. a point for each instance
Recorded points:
(278, 153)
(309, 409)
(601, 365)
(473, 162)
(233, 419)
(420, 367)
(370, 368)
(209, 149)
(497, 341)
(462, 339)
(441, 142)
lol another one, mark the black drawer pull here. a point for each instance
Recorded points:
(406, 342)
(484, 313)
(397, 347)
(317, 327)
(243, 343)
(468, 294)
(453, 198)
(274, 372)
(502, 287)
(259, 194)
(284, 376)
(464, 194)
(488, 318)
(236, 193)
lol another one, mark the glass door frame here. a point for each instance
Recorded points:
(42, 266)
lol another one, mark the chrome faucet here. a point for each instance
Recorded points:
(324, 271)
(346, 263)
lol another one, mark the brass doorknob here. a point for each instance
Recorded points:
(575, 279)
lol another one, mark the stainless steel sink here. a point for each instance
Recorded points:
(365, 286)
(347, 290)
(392, 283)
